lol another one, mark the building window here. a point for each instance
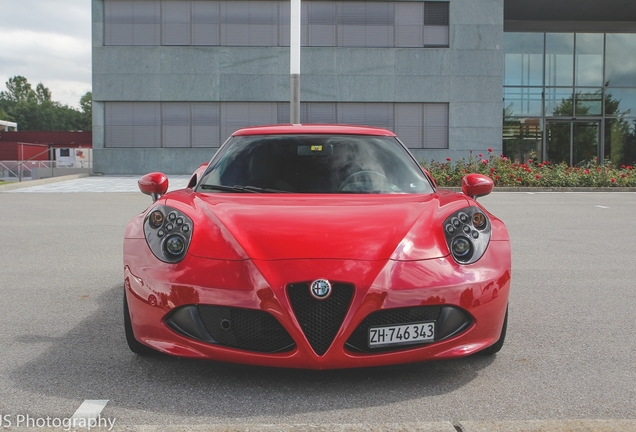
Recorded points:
(132, 124)
(249, 23)
(374, 24)
(570, 97)
(176, 23)
(128, 22)
(522, 138)
(208, 124)
(620, 60)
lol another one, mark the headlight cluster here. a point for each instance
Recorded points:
(168, 232)
(467, 234)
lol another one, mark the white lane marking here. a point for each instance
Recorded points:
(599, 206)
(90, 409)
(530, 193)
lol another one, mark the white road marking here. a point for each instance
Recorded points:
(90, 409)
(599, 206)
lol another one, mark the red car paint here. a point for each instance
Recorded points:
(246, 249)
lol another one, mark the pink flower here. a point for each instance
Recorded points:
(497, 177)
(613, 180)
(448, 159)
(587, 171)
(504, 158)
(480, 155)
(530, 161)
(538, 176)
(489, 149)
(484, 161)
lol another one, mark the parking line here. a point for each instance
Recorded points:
(90, 409)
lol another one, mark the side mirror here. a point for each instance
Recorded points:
(477, 185)
(154, 184)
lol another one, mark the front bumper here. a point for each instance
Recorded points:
(174, 307)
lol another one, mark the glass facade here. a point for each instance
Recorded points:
(570, 97)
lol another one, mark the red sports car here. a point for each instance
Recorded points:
(318, 247)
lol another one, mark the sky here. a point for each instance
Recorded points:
(47, 41)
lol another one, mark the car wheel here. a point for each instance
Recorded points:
(496, 347)
(134, 345)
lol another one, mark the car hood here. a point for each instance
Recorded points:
(279, 227)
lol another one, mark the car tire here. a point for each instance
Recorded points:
(134, 345)
(496, 347)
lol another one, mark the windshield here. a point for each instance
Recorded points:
(315, 164)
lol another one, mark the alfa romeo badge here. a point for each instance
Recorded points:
(320, 289)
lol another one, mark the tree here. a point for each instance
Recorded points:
(42, 94)
(19, 90)
(36, 110)
(86, 105)
(4, 115)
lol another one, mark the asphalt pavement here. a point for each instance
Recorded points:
(567, 365)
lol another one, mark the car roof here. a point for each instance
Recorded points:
(296, 129)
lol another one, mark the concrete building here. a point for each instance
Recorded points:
(173, 78)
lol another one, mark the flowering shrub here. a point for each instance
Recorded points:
(533, 173)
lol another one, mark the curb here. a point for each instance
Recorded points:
(611, 425)
(39, 182)
(550, 189)
(307, 427)
(550, 426)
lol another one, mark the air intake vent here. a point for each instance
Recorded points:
(247, 329)
(320, 320)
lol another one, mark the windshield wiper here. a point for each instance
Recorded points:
(238, 188)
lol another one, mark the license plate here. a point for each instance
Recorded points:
(401, 334)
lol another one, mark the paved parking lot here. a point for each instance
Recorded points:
(569, 353)
(98, 184)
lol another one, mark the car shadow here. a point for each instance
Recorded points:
(93, 361)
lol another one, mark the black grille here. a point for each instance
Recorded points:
(320, 320)
(359, 339)
(247, 329)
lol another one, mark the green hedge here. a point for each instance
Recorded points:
(533, 173)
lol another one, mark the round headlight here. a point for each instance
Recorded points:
(461, 247)
(156, 219)
(479, 221)
(174, 245)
